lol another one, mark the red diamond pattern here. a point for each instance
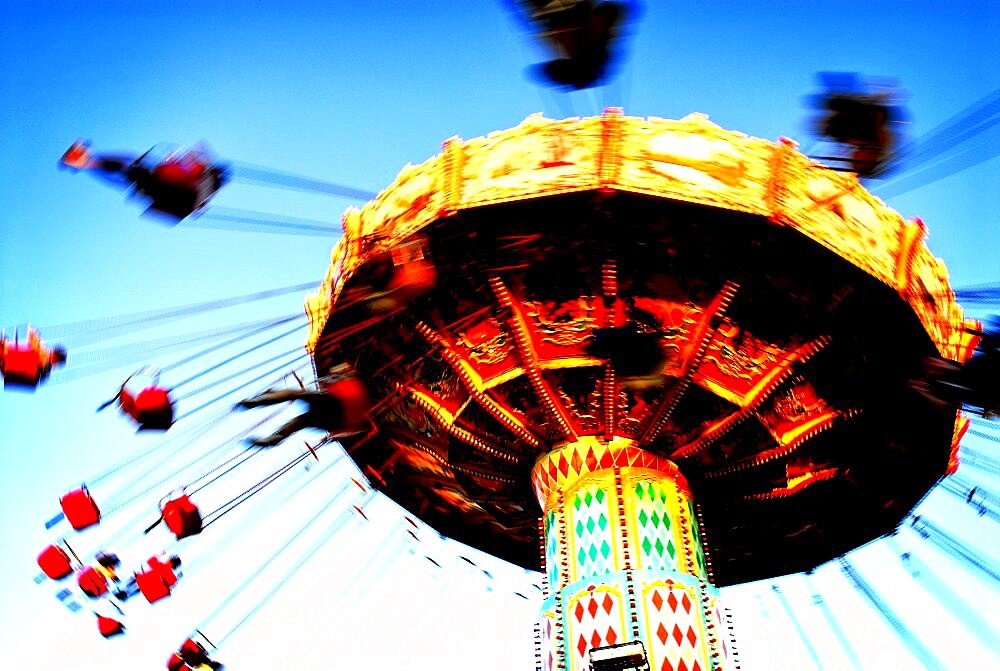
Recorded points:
(672, 601)
(595, 640)
(581, 645)
(592, 607)
(563, 465)
(611, 636)
(661, 633)
(591, 460)
(578, 611)
(607, 459)
(674, 645)
(608, 603)
(576, 462)
(552, 470)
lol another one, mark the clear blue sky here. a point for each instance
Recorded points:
(350, 92)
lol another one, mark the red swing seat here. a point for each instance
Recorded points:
(80, 509)
(182, 517)
(92, 582)
(55, 562)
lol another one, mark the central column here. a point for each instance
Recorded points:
(623, 559)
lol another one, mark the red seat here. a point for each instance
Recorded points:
(165, 571)
(80, 509)
(353, 397)
(109, 626)
(176, 663)
(152, 585)
(153, 409)
(193, 653)
(92, 582)
(182, 517)
(55, 563)
(22, 366)
(183, 172)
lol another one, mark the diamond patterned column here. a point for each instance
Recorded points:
(599, 593)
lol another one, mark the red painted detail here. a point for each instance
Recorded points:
(661, 633)
(576, 462)
(672, 601)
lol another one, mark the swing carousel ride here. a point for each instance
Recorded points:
(647, 358)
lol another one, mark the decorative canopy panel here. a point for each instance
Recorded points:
(791, 306)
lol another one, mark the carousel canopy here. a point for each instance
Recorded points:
(788, 310)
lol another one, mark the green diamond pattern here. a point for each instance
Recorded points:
(552, 550)
(656, 547)
(593, 541)
(699, 551)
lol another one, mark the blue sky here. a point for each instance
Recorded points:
(351, 92)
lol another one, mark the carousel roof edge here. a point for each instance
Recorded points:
(691, 160)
